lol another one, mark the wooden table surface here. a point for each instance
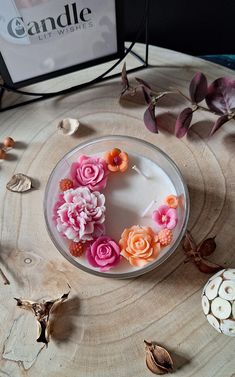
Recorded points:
(102, 326)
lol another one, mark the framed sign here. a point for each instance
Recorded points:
(42, 39)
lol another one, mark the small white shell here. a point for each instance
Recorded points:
(68, 126)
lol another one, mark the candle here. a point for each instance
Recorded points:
(127, 204)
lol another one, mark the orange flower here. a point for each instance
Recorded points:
(172, 201)
(139, 245)
(116, 160)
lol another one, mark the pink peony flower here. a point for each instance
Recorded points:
(165, 217)
(90, 172)
(79, 214)
(103, 253)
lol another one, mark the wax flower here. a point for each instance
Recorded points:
(103, 253)
(116, 160)
(89, 172)
(139, 245)
(172, 201)
(165, 217)
(80, 214)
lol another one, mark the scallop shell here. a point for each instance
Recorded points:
(68, 126)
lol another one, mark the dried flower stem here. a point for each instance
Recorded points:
(4, 278)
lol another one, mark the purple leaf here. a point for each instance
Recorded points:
(221, 95)
(150, 119)
(144, 83)
(220, 121)
(146, 90)
(125, 81)
(183, 122)
(198, 87)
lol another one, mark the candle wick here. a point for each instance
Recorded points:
(147, 209)
(5, 280)
(134, 167)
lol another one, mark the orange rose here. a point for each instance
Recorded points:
(139, 245)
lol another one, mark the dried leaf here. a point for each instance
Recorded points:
(150, 119)
(207, 267)
(19, 183)
(198, 87)
(183, 122)
(207, 247)
(125, 81)
(220, 121)
(188, 243)
(68, 126)
(158, 360)
(221, 95)
(42, 311)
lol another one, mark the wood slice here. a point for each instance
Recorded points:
(101, 328)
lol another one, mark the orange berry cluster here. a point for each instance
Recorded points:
(76, 248)
(66, 184)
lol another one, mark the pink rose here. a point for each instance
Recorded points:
(103, 253)
(80, 214)
(91, 172)
(165, 217)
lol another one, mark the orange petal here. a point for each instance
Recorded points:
(113, 167)
(115, 152)
(138, 262)
(123, 156)
(123, 166)
(125, 254)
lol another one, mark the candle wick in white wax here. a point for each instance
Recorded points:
(134, 167)
(147, 209)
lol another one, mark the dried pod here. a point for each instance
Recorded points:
(218, 301)
(19, 183)
(2, 154)
(207, 247)
(8, 142)
(158, 360)
(68, 126)
(42, 311)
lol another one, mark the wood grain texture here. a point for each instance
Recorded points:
(101, 328)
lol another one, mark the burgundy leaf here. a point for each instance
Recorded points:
(144, 83)
(207, 247)
(198, 87)
(183, 122)
(220, 121)
(125, 81)
(146, 90)
(208, 267)
(188, 243)
(221, 95)
(150, 119)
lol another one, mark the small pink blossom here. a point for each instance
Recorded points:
(90, 172)
(103, 253)
(80, 214)
(165, 217)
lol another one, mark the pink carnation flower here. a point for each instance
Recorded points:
(103, 253)
(165, 217)
(79, 214)
(90, 172)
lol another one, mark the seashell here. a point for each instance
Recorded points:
(19, 183)
(68, 126)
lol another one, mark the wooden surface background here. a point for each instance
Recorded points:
(101, 328)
